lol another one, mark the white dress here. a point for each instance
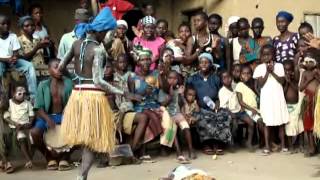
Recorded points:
(273, 107)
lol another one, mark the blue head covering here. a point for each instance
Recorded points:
(288, 16)
(102, 22)
(209, 57)
(23, 19)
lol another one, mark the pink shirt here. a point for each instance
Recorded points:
(154, 46)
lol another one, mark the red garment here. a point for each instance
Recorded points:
(118, 7)
(308, 115)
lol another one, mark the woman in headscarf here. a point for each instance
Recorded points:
(146, 84)
(31, 48)
(286, 42)
(118, 44)
(150, 40)
(213, 125)
(88, 118)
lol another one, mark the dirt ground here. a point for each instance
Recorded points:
(232, 166)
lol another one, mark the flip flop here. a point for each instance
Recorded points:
(183, 160)
(28, 165)
(266, 152)
(8, 168)
(147, 159)
(220, 152)
(284, 150)
(64, 166)
(52, 165)
(208, 151)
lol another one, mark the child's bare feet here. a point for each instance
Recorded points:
(8, 168)
(249, 146)
(183, 160)
(193, 155)
(28, 165)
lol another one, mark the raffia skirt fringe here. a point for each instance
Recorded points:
(88, 121)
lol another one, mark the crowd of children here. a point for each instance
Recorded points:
(215, 91)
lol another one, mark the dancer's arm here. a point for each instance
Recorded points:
(97, 72)
(66, 60)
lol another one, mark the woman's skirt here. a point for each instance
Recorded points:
(214, 125)
(88, 121)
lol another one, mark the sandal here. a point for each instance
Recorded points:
(208, 151)
(220, 152)
(183, 160)
(284, 150)
(64, 165)
(147, 159)
(52, 165)
(28, 165)
(266, 152)
(8, 168)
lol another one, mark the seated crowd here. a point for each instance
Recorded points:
(195, 89)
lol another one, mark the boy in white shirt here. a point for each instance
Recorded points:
(229, 100)
(9, 57)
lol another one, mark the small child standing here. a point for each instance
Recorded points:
(190, 105)
(294, 100)
(170, 99)
(20, 117)
(122, 77)
(229, 100)
(247, 97)
(309, 84)
(273, 107)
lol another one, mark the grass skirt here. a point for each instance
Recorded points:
(88, 121)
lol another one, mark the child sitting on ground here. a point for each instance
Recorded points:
(247, 97)
(309, 84)
(229, 100)
(293, 98)
(190, 105)
(170, 99)
(20, 117)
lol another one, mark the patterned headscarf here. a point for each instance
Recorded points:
(149, 20)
